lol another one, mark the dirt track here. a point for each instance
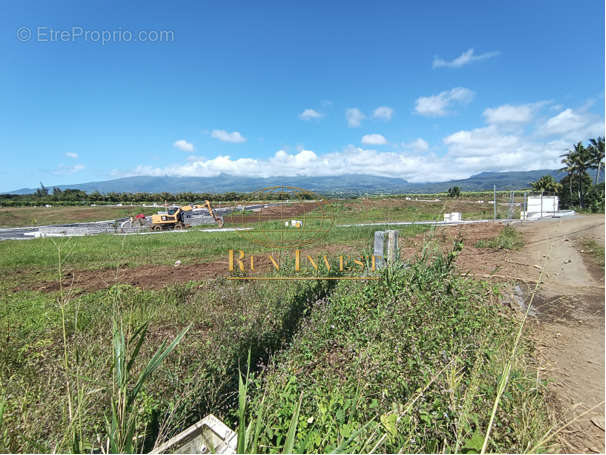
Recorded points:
(570, 305)
(568, 313)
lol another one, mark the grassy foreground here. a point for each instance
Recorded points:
(411, 362)
(57, 368)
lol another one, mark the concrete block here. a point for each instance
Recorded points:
(209, 435)
(393, 252)
(542, 204)
(378, 250)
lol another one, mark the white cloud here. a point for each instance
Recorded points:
(182, 144)
(354, 117)
(374, 139)
(309, 114)
(573, 125)
(351, 160)
(466, 57)
(383, 113)
(437, 105)
(72, 155)
(418, 145)
(509, 114)
(67, 170)
(491, 147)
(499, 148)
(224, 136)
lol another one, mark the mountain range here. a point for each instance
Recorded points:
(351, 183)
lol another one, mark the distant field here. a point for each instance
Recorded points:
(399, 209)
(39, 216)
(36, 260)
(348, 211)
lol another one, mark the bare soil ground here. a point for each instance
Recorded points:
(282, 211)
(568, 310)
(570, 328)
(155, 276)
(38, 216)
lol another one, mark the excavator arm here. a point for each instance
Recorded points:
(216, 217)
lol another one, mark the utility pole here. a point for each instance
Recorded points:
(494, 205)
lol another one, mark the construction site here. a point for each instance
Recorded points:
(520, 207)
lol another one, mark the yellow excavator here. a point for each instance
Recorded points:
(175, 217)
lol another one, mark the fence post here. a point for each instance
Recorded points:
(494, 203)
(393, 252)
(378, 249)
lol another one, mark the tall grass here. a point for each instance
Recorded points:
(406, 364)
(508, 239)
(121, 430)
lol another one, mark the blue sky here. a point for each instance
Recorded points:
(418, 90)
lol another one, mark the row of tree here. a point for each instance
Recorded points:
(576, 189)
(58, 196)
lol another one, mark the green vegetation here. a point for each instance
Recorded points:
(69, 197)
(594, 249)
(576, 190)
(37, 258)
(546, 184)
(454, 191)
(410, 362)
(508, 239)
(407, 364)
(400, 209)
(59, 358)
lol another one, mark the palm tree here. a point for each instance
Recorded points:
(546, 184)
(596, 152)
(576, 162)
(568, 168)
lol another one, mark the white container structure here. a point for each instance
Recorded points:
(452, 217)
(540, 206)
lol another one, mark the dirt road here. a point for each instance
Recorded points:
(570, 330)
(567, 314)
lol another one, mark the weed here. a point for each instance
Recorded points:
(595, 250)
(402, 365)
(508, 239)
